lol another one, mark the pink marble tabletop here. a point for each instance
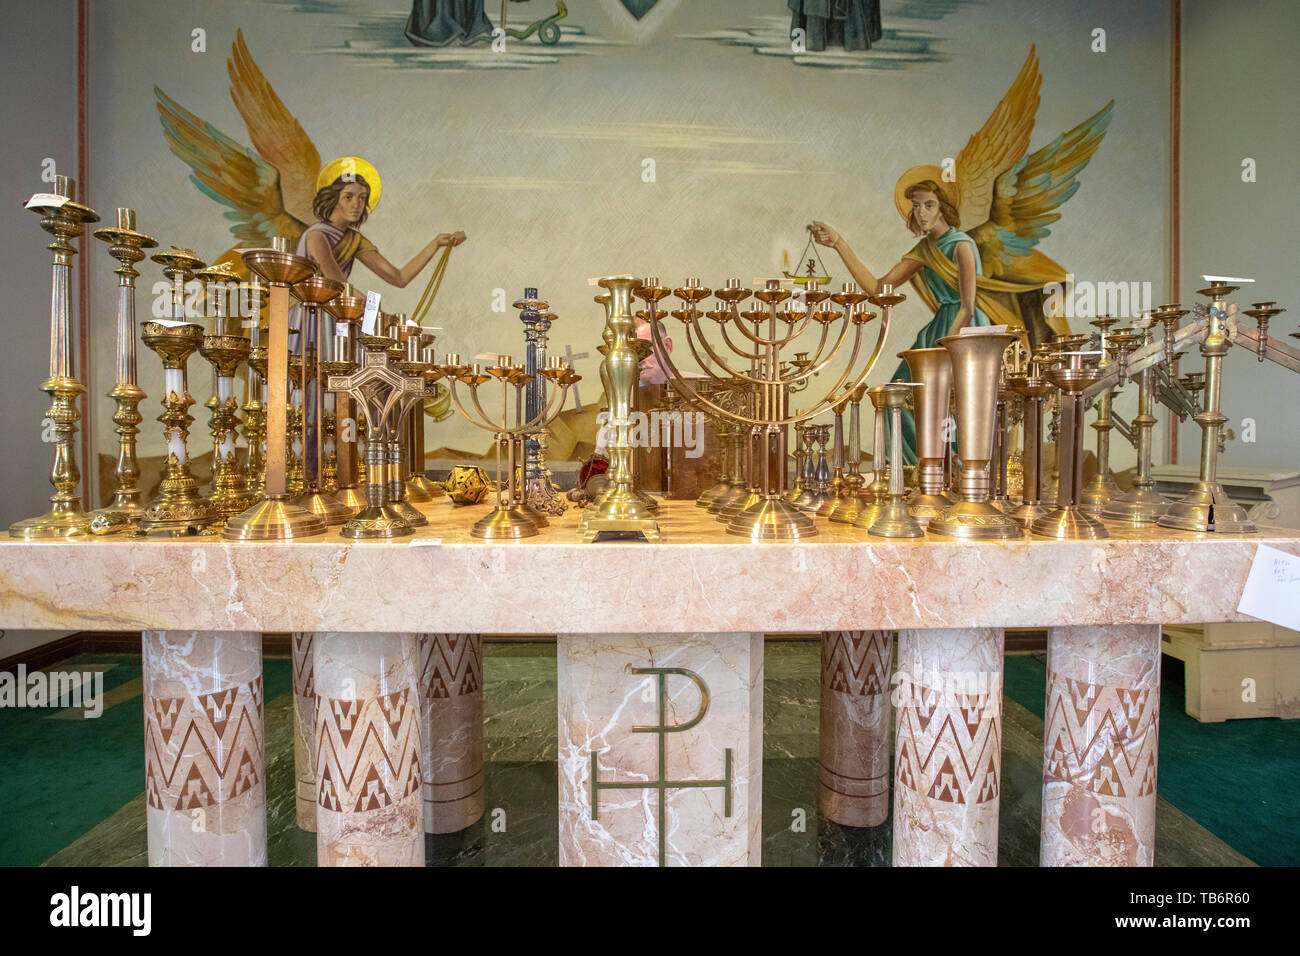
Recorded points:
(695, 579)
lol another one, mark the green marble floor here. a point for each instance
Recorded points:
(72, 794)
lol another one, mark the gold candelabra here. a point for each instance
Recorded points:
(127, 247)
(64, 218)
(1032, 388)
(508, 520)
(315, 292)
(275, 517)
(1072, 377)
(769, 516)
(347, 310)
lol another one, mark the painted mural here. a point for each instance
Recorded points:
(534, 143)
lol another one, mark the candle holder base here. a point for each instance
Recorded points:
(525, 508)
(376, 523)
(409, 513)
(1139, 506)
(724, 500)
(508, 524)
(1028, 513)
(847, 509)
(710, 495)
(419, 484)
(619, 509)
(925, 507)
(1098, 493)
(1207, 507)
(739, 505)
(65, 521)
(273, 519)
(354, 499)
(114, 520)
(326, 506)
(977, 520)
(772, 519)
(895, 521)
(178, 510)
(1069, 523)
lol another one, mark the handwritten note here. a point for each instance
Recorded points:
(1272, 591)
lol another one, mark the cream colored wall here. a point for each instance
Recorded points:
(1241, 83)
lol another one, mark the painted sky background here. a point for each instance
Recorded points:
(540, 160)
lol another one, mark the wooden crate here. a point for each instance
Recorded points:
(1223, 660)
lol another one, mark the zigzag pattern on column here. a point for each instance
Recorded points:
(451, 665)
(858, 662)
(304, 673)
(197, 753)
(1102, 738)
(959, 762)
(365, 751)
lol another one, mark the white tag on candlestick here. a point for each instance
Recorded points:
(1272, 591)
(370, 319)
(46, 200)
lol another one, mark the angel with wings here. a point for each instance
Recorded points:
(282, 189)
(992, 274)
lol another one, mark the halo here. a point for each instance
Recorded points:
(915, 174)
(356, 166)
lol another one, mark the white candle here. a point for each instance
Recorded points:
(174, 381)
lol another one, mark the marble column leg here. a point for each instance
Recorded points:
(304, 729)
(855, 726)
(369, 804)
(948, 748)
(451, 730)
(1100, 746)
(205, 767)
(631, 793)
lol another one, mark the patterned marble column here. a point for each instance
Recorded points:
(948, 749)
(368, 780)
(451, 730)
(1100, 746)
(855, 726)
(304, 728)
(205, 768)
(660, 749)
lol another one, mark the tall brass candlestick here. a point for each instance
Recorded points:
(619, 507)
(347, 310)
(179, 509)
(1142, 504)
(892, 518)
(878, 489)
(1206, 506)
(275, 517)
(976, 363)
(1067, 520)
(65, 519)
(254, 407)
(127, 247)
(1033, 388)
(225, 352)
(931, 369)
(315, 292)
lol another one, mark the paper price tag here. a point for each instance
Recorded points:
(370, 320)
(41, 200)
(1272, 591)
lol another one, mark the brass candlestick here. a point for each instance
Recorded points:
(851, 501)
(931, 369)
(416, 479)
(1142, 504)
(347, 310)
(507, 521)
(1206, 506)
(976, 363)
(620, 508)
(314, 293)
(179, 509)
(127, 247)
(254, 407)
(893, 519)
(540, 492)
(225, 352)
(276, 517)
(65, 519)
(878, 489)
(1067, 520)
(407, 357)
(1102, 487)
(1032, 388)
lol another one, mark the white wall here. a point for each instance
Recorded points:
(1241, 84)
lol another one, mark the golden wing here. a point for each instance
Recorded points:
(1025, 202)
(275, 133)
(1003, 139)
(232, 175)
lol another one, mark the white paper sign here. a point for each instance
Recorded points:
(43, 200)
(370, 319)
(1272, 591)
(426, 542)
(982, 330)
